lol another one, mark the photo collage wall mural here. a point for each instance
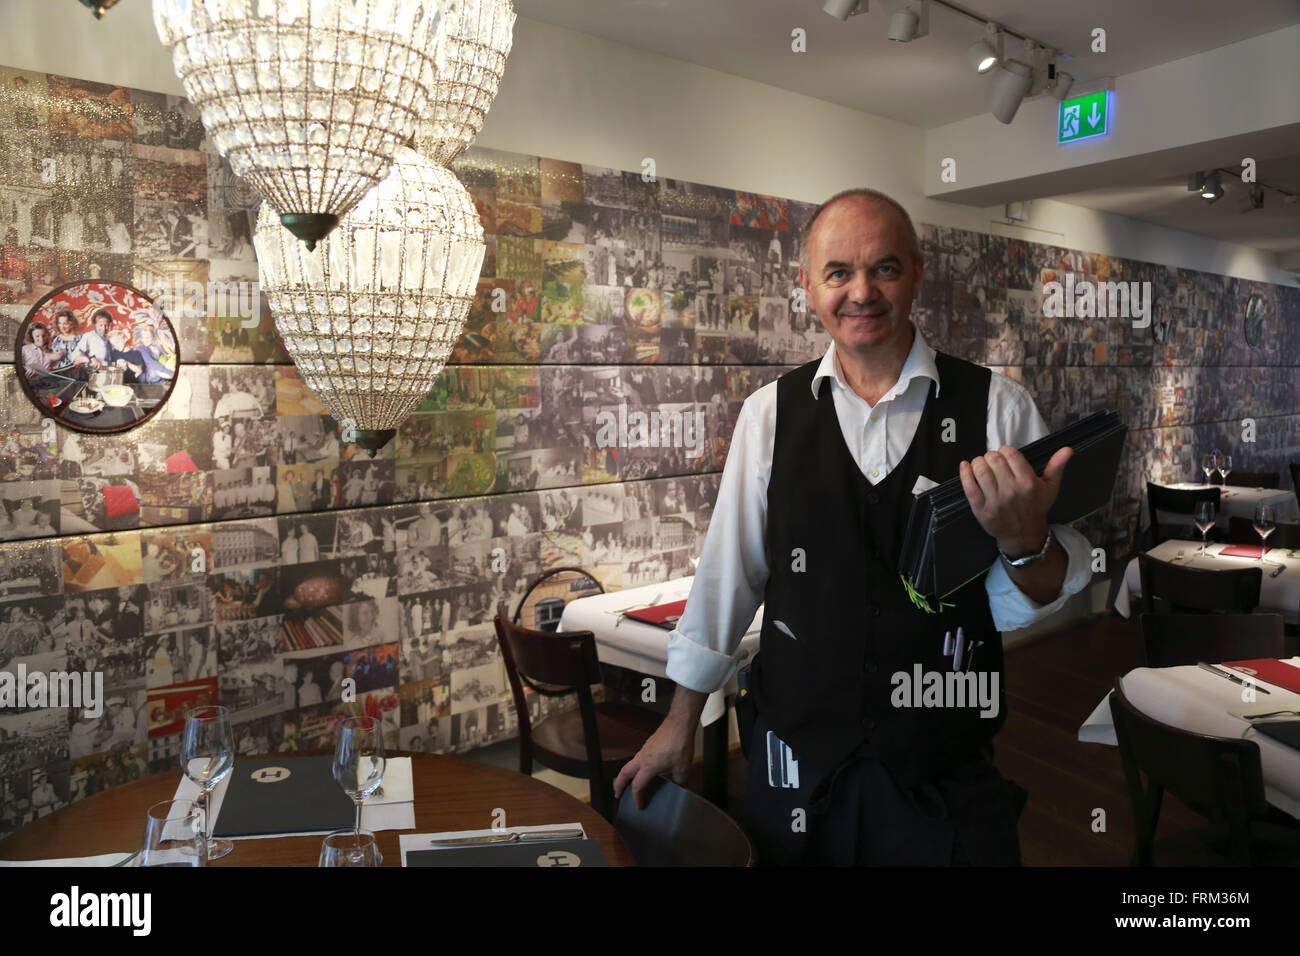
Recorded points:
(234, 548)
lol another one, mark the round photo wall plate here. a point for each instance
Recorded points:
(97, 356)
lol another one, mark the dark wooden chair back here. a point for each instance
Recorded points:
(680, 828)
(1173, 589)
(1252, 479)
(1218, 777)
(1169, 640)
(1180, 501)
(553, 664)
(1242, 531)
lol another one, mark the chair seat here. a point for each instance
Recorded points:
(560, 744)
(1271, 845)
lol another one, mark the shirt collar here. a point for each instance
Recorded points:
(918, 364)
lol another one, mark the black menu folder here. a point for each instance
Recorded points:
(944, 546)
(270, 795)
(565, 853)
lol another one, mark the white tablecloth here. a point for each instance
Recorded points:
(1191, 699)
(635, 645)
(1279, 595)
(1239, 502)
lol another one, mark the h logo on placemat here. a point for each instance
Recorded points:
(270, 774)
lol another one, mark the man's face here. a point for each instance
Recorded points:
(101, 324)
(862, 280)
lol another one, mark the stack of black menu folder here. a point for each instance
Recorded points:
(944, 546)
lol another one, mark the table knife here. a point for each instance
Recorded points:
(533, 836)
(1232, 677)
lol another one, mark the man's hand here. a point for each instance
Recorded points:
(670, 749)
(1009, 500)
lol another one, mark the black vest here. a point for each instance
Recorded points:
(828, 691)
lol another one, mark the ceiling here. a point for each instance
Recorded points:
(927, 82)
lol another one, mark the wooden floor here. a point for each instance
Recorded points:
(1053, 684)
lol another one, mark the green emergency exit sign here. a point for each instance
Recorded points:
(1084, 117)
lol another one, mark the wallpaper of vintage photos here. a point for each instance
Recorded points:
(232, 548)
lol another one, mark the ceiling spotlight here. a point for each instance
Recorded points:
(987, 53)
(843, 9)
(1212, 190)
(1254, 199)
(910, 23)
(1195, 181)
(1061, 88)
(1011, 81)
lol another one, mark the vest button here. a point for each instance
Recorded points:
(873, 498)
(873, 610)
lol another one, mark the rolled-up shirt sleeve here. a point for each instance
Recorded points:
(1014, 419)
(732, 573)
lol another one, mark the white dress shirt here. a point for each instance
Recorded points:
(732, 575)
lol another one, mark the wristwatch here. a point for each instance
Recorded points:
(1029, 558)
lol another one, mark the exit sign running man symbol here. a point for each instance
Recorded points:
(1084, 117)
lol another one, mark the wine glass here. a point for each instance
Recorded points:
(1209, 463)
(350, 848)
(1225, 467)
(1205, 514)
(173, 835)
(207, 754)
(1265, 522)
(359, 759)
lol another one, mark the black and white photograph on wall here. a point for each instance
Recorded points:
(372, 575)
(468, 647)
(180, 656)
(306, 538)
(244, 594)
(123, 723)
(370, 621)
(159, 119)
(253, 690)
(308, 438)
(249, 641)
(363, 482)
(422, 569)
(176, 554)
(171, 605)
(99, 504)
(473, 687)
(243, 493)
(365, 532)
(29, 509)
(31, 629)
(104, 634)
(240, 543)
(32, 739)
(514, 516)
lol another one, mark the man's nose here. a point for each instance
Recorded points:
(861, 288)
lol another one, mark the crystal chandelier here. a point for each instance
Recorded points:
(473, 45)
(308, 99)
(370, 316)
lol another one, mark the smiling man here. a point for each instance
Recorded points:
(809, 520)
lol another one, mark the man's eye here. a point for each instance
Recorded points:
(891, 270)
(837, 272)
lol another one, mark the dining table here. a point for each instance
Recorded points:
(450, 794)
(622, 641)
(1279, 591)
(1237, 501)
(1192, 699)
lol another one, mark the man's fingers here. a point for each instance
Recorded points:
(968, 483)
(643, 778)
(1001, 468)
(1019, 466)
(624, 775)
(1055, 470)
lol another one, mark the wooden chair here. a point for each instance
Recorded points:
(1242, 531)
(1252, 479)
(680, 828)
(1218, 777)
(1169, 640)
(543, 603)
(594, 741)
(1179, 500)
(1180, 589)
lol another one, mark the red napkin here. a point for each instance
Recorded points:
(119, 500)
(181, 461)
(665, 615)
(1243, 551)
(1270, 671)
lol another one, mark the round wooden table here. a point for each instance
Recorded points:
(451, 793)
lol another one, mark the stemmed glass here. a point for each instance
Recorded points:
(172, 836)
(349, 848)
(207, 754)
(1204, 522)
(1225, 467)
(1209, 463)
(1264, 525)
(359, 760)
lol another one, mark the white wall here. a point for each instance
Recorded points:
(573, 97)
